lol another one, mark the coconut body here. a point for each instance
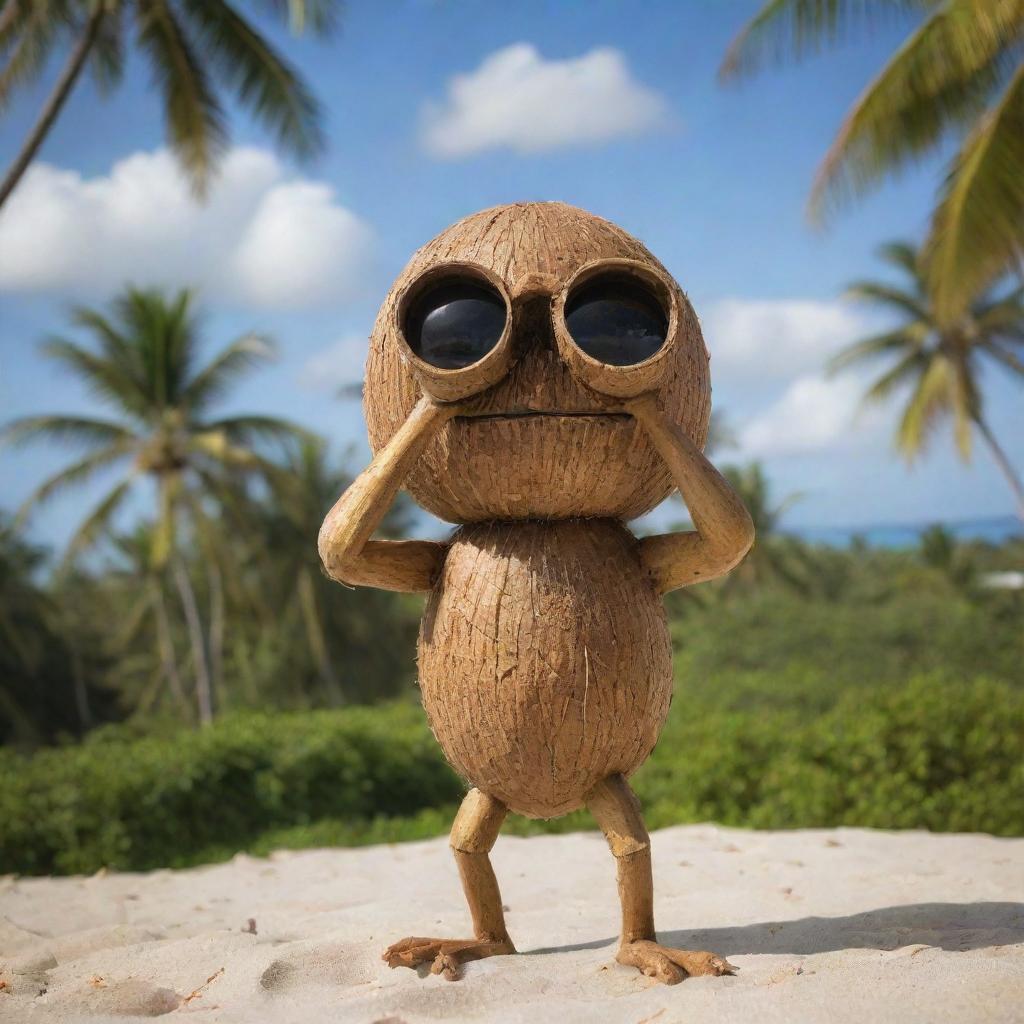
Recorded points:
(544, 660)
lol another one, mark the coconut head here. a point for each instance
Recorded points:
(542, 434)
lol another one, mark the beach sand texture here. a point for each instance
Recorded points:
(838, 925)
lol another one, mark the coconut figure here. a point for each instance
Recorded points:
(536, 376)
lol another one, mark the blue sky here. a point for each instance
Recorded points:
(435, 110)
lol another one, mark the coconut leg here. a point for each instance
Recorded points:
(617, 811)
(473, 834)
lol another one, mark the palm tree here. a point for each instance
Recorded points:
(960, 72)
(197, 50)
(145, 366)
(773, 556)
(47, 681)
(937, 361)
(135, 586)
(939, 550)
(302, 491)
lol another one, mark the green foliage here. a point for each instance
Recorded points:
(778, 649)
(959, 72)
(49, 661)
(233, 540)
(932, 753)
(933, 365)
(126, 802)
(204, 57)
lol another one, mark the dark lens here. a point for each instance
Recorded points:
(455, 323)
(616, 320)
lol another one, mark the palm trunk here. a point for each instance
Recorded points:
(204, 696)
(81, 692)
(52, 107)
(166, 647)
(1004, 464)
(244, 649)
(216, 629)
(24, 728)
(317, 640)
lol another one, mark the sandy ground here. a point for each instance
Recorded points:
(847, 925)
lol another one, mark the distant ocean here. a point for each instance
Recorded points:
(906, 535)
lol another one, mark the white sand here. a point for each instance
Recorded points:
(847, 925)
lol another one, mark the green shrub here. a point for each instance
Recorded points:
(882, 637)
(930, 754)
(144, 803)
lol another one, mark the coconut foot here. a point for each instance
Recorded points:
(445, 956)
(669, 965)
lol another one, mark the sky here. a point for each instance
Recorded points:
(434, 110)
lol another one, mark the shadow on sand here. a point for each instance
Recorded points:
(951, 926)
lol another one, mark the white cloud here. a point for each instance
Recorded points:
(518, 100)
(260, 238)
(337, 365)
(776, 338)
(813, 413)
(768, 359)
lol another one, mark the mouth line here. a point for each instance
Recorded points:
(546, 414)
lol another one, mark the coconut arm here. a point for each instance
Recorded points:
(724, 531)
(346, 550)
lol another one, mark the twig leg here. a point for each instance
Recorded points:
(473, 835)
(617, 811)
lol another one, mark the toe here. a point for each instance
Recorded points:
(672, 965)
(700, 964)
(650, 960)
(408, 952)
(402, 945)
(662, 968)
(447, 965)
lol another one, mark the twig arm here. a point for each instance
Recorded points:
(346, 550)
(724, 531)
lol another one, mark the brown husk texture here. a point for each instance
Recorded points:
(544, 660)
(550, 467)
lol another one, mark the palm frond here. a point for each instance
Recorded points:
(794, 29)
(163, 332)
(252, 430)
(1005, 356)
(978, 227)
(107, 56)
(1005, 312)
(868, 349)
(940, 78)
(27, 41)
(320, 16)
(215, 445)
(905, 256)
(128, 630)
(112, 342)
(106, 378)
(194, 116)
(912, 365)
(64, 430)
(96, 522)
(931, 401)
(210, 383)
(263, 80)
(77, 473)
(881, 294)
